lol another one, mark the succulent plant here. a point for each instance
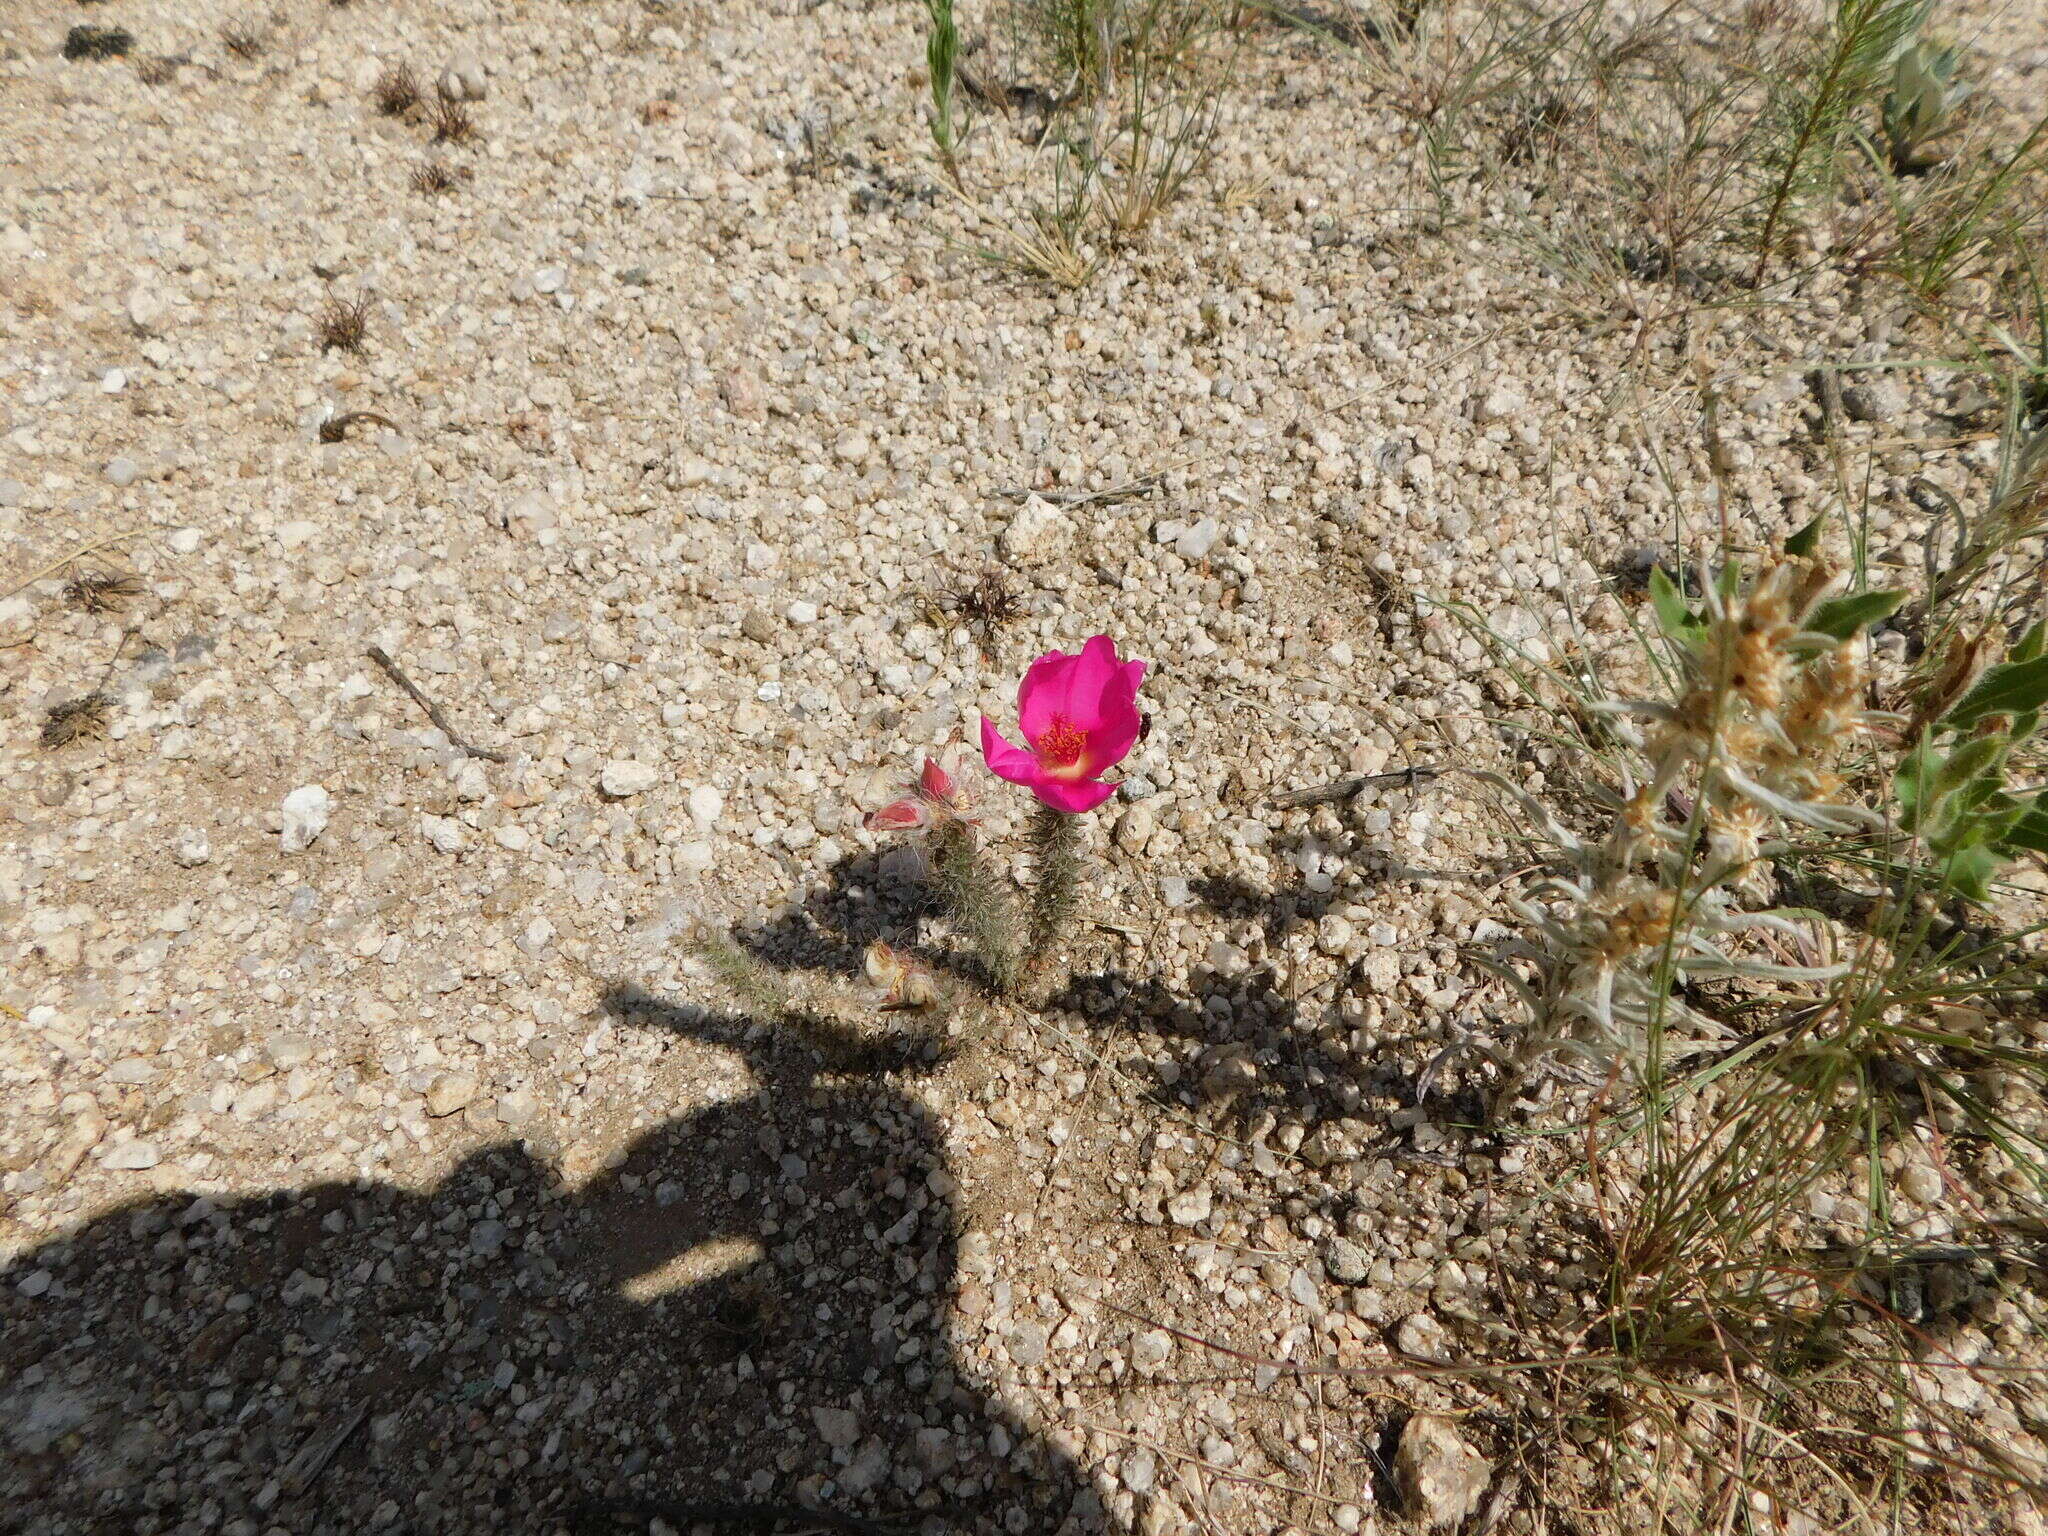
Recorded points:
(1921, 106)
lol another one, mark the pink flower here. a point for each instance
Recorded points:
(934, 797)
(1080, 714)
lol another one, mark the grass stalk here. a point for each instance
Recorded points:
(1867, 36)
(942, 50)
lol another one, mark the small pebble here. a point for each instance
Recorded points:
(306, 811)
(449, 1093)
(622, 778)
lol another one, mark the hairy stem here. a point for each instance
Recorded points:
(1055, 839)
(975, 902)
(757, 986)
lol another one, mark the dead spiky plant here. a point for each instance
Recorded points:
(451, 121)
(81, 719)
(987, 604)
(435, 178)
(245, 39)
(102, 591)
(335, 429)
(397, 91)
(344, 325)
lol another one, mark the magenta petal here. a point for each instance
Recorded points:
(1073, 795)
(1118, 733)
(1004, 760)
(898, 816)
(1096, 672)
(1043, 693)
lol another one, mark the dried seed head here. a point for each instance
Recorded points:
(1633, 916)
(1963, 660)
(1735, 835)
(1753, 639)
(1756, 670)
(79, 719)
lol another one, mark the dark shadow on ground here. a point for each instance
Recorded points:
(1266, 1046)
(878, 896)
(484, 1354)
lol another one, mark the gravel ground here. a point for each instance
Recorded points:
(377, 1159)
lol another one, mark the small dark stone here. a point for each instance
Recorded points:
(1873, 399)
(1345, 1262)
(83, 42)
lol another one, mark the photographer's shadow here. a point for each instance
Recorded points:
(747, 1315)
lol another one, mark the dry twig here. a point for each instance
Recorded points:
(1344, 789)
(391, 669)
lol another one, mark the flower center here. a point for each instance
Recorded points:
(1061, 743)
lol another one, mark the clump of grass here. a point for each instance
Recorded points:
(81, 719)
(1050, 245)
(437, 177)
(1812, 112)
(84, 42)
(1983, 209)
(2018, 513)
(397, 91)
(451, 121)
(1778, 952)
(1139, 119)
(156, 70)
(102, 591)
(1771, 686)
(245, 40)
(758, 986)
(344, 325)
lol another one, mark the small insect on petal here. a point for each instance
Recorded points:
(897, 816)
